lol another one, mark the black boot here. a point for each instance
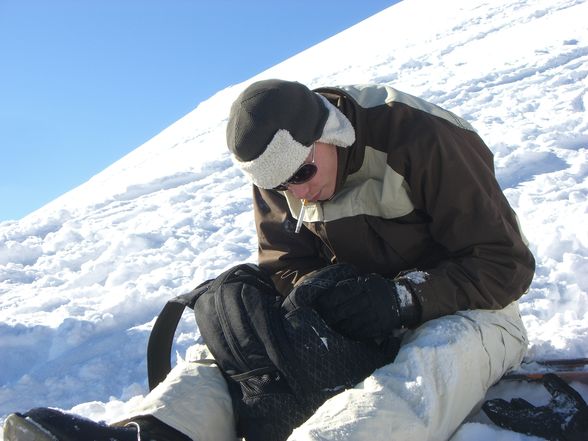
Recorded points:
(44, 424)
(152, 429)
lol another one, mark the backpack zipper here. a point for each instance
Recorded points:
(219, 304)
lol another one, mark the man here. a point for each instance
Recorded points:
(405, 191)
(402, 188)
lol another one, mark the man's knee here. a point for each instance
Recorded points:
(503, 337)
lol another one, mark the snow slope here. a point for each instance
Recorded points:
(82, 279)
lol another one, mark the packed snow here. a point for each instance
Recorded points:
(82, 279)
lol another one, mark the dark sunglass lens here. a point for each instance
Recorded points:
(304, 173)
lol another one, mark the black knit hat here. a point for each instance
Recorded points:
(271, 127)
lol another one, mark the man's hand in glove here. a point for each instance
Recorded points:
(564, 418)
(368, 307)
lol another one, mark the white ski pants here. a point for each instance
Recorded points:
(441, 373)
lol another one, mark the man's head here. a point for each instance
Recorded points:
(273, 125)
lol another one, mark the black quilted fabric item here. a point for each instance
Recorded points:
(281, 361)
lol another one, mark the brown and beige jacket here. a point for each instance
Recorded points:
(417, 196)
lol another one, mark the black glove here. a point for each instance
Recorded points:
(314, 285)
(368, 307)
(564, 418)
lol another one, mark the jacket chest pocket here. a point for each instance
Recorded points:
(385, 246)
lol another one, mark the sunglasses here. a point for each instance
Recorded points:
(303, 174)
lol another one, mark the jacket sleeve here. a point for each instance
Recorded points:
(451, 178)
(287, 256)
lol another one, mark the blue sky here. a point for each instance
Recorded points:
(82, 83)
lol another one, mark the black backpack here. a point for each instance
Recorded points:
(281, 361)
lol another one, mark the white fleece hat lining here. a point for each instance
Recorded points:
(284, 155)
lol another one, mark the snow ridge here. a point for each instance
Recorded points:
(82, 279)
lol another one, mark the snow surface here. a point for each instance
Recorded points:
(82, 279)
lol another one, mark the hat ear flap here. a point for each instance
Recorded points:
(281, 158)
(338, 130)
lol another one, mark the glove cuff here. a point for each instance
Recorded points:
(408, 306)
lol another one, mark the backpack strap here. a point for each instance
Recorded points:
(162, 335)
